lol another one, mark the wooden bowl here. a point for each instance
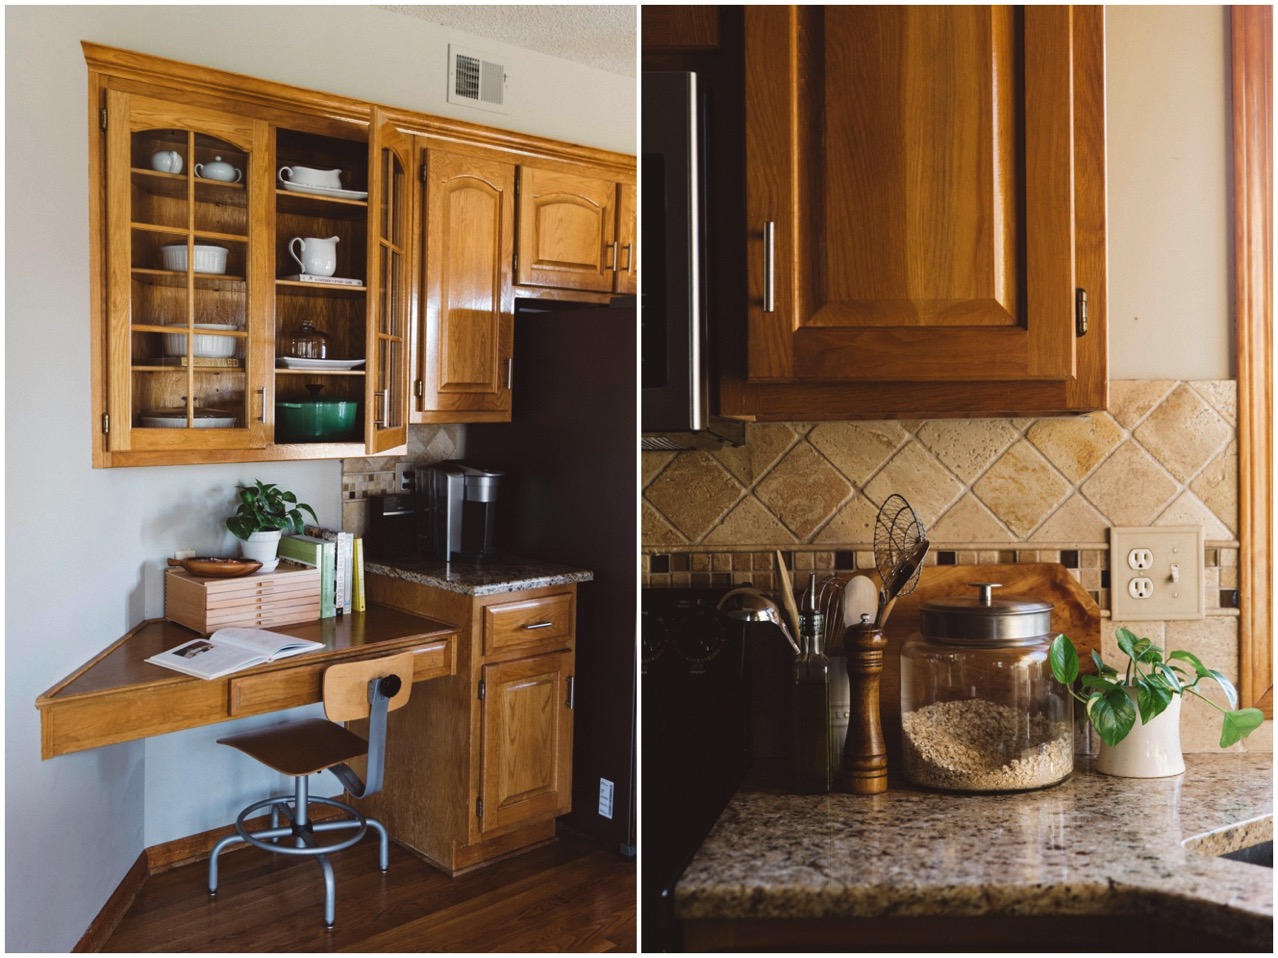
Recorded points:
(214, 568)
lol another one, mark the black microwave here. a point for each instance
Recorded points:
(675, 362)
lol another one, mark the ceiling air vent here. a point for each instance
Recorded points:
(474, 80)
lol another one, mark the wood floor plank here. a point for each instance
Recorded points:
(571, 895)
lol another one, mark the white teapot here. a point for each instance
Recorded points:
(166, 161)
(218, 170)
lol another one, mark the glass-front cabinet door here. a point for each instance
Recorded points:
(388, 257)
(187, 351)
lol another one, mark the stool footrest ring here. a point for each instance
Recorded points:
(264, 838)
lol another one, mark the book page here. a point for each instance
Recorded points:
(261, 641)
(204, 658)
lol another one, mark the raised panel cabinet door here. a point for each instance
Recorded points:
(910, 192)
(627, 240)
(186, 276)
(526, 740)
(389, 196)
(567, 230)
(467, 319)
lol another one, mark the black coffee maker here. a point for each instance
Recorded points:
(456, 507)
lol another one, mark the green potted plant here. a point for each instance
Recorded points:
(1149, 690)
(264, 513)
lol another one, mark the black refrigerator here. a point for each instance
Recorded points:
(569, 494)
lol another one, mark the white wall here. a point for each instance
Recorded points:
(1170, 198)
(84, 548)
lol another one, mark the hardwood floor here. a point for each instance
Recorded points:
(571, 895)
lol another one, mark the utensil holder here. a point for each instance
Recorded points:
(864, 767)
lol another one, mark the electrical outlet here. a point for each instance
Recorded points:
(403, 477)
(1156, 573)
(605, 798)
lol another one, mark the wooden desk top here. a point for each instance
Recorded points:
(118, 696)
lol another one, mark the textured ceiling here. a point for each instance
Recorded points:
(600, 36)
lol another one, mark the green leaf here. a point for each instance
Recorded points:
(1238, 725)
(1230, 692)
(1064, 659)
(1169, 674)
(1202, 670)
(1127, 640)
(1099, 683)
(1102, 668)
(1112, 714)
(1152, 698)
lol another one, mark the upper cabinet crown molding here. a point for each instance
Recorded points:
(925, 197)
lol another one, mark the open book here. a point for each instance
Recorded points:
(231, 649)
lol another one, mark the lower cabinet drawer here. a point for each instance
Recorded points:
(529, 624)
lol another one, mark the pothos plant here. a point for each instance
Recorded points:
(264, 507)
(1155, 677)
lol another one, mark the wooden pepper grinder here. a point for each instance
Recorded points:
(864, 767)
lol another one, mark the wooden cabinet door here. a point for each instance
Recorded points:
(187, 275)
(526, 740)
(467, 317)
(925, 190)
(390, 214)
(567, 230)
(627, 240)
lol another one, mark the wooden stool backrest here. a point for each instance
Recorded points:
(346, 685)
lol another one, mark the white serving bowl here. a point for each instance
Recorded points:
(206, 347)
(208, 259)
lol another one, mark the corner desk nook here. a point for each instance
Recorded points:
(478, 761)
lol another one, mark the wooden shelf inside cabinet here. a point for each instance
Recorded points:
(309, 204)
(294, 285)
(313, 373)
(213, 281)
(175, 185)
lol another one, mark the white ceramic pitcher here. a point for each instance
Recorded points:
(318, 256)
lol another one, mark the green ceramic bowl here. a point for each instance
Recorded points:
(317, 420)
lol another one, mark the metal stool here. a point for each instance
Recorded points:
(366, 689)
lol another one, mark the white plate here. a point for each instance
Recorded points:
(292, 362)
(324, 191)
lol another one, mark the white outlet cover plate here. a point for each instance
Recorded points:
(1181, 546)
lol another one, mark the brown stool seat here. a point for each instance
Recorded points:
(301, 747)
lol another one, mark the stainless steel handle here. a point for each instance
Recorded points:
(769, 267)
(509, 363)
(262, 417)
(385, 401)
(572, 691)
(630, 258)
(612, 256)
(539, 625)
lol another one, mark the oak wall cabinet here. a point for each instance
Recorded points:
(576, 231)
(197, 296)
(924, 192)
(482, 761)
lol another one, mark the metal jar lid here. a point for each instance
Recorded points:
(983, 618)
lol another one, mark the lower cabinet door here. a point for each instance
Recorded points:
(526, 747)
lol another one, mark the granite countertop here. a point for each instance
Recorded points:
(503, 574)
(1077, 849)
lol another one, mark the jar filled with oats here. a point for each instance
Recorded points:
(980, 710)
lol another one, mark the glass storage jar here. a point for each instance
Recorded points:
(980, 710)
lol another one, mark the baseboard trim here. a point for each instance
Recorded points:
(116, 907)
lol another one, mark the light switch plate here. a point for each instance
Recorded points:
(1156, 573)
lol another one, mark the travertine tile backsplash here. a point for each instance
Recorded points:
(993, 490)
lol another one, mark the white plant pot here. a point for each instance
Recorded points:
(1148, 751)
(264, 547)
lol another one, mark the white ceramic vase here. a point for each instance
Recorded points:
(1148, 751)
(264, 547)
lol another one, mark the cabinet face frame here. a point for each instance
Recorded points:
(782, 390)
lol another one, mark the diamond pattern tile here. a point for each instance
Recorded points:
(967, 446)
(803, 490)
(858, 449)
(919, 476)
(1184, 433)
(1078, 444)
(1022, 488)
(693, 492)
(1130, 488)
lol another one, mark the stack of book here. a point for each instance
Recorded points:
(340, 558)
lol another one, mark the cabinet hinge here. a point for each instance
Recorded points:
(483, 690)
(421, 172)
(1080, 312)
(102, 118)
(106, 424)
(419, 388)
(479, 808)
